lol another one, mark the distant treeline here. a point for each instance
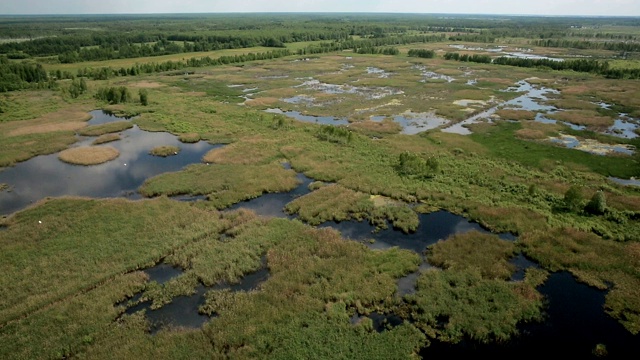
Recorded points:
(422, 53)
(104, 73)
(20, 75)
(97, 47)
(629, 46)
(483, 59)
(579, 65)
(358, 45)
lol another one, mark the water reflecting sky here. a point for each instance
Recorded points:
(47, 176)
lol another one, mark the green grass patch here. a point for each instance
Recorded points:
(164, 151)
(65, 246)
(452, 305)
(602, 263)
(500, 140)
(21, 148)
(106, 138)
(101, 129)
(189, 138)
(88, 155)
(330, 203)
(224, 185)
(485, 252)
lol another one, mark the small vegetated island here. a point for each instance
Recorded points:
(527, 126)
(88, 155)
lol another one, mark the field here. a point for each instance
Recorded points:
(385, 137)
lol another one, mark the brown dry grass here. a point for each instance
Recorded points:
(507, 82)
(472, 94)
(573, 103)
(519, 220)
(165, 151)
(89, 155)
(624, 202)
(386, 126)
(533, 130)
(576, 90)
(584, 117)
(62, 120)
(266, 101)
(253, 150)
(106, 138)
(530, 134)
(189, 138)
(516, 114)
(146, 84)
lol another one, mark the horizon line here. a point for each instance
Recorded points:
(322, 12)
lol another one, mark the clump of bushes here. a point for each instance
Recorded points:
(335, 134)
(422, 53)
(114, 95)
(415, 166)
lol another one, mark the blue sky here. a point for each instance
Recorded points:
(521, 7)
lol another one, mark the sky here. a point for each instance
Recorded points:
(509, 7)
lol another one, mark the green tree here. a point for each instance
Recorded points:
(598, 204)
(144, 97)
(83, 85)
(573, 198)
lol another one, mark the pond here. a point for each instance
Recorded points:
(592, 146)
(415, 123)
(324, 120)
(575, 324)
(434, 226)
(272, 204)
(336, 89)
(431, 75)
(47, 176)
(532, 99)
(183, 311)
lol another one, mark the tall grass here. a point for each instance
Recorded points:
(65, 246)
(224, 185)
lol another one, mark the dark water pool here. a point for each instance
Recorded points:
(183, 311)
(324, 120)
(103, 117)
(575, 324)
(435, 226)
(272, 204)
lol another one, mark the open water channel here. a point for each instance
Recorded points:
(575, 321)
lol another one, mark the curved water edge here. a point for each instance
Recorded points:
(575, 324)
(99, 117)
(324, 120)
(626, 182)
(183, 311)
(117, 178)
(530, 100)
(570, 303)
